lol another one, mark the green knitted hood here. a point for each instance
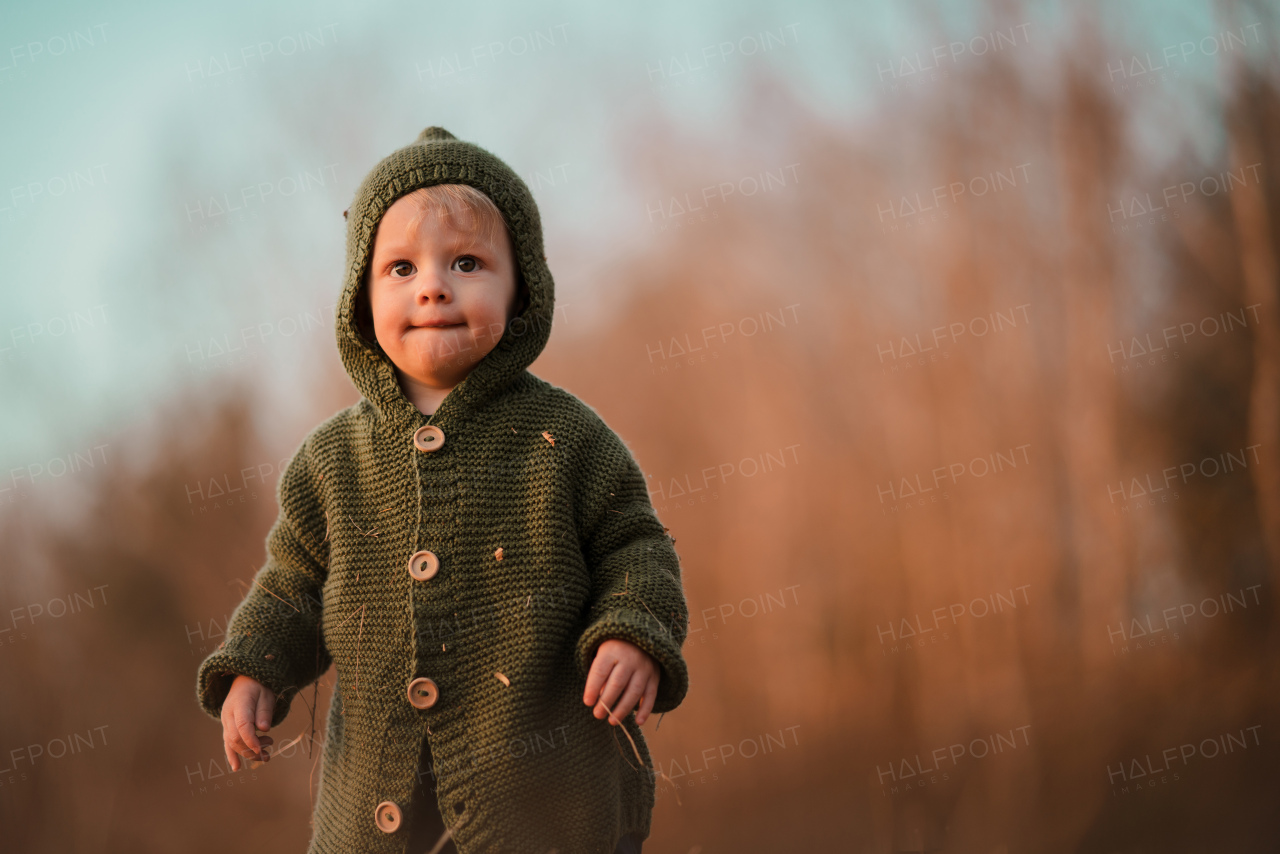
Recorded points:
(438, 157)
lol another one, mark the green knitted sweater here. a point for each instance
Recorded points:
(546, 541)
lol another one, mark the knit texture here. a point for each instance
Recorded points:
(547, 544)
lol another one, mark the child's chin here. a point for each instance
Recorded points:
(449, 368)
(433, 343)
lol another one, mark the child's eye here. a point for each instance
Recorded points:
(401, 269)
(467, 264)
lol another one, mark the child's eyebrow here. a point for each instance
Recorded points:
(456, 243)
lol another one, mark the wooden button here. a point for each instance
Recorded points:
(423, 693)
(428, 438)
(424, 565)
(387, 817)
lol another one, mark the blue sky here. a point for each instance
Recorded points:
(134, 131)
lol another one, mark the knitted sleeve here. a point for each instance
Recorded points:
(274, 634)
(636, 591)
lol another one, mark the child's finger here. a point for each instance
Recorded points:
(244, 726)
(230, 737)
(646, 702)
(235, 746)
(601, 667)
(265, 756)
(613, 689)
(266, 704)
(634, 691)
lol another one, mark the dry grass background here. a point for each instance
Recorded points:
(815, 532)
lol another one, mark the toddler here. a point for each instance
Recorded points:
(471, 547)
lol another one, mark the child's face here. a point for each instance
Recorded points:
(440, 298)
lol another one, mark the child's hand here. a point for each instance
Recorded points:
(248, 703)
(624, 670)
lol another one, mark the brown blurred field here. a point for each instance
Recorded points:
(813, 549)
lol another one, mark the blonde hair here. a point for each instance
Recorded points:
(464, 208)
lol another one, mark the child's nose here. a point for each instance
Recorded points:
(433, 286)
